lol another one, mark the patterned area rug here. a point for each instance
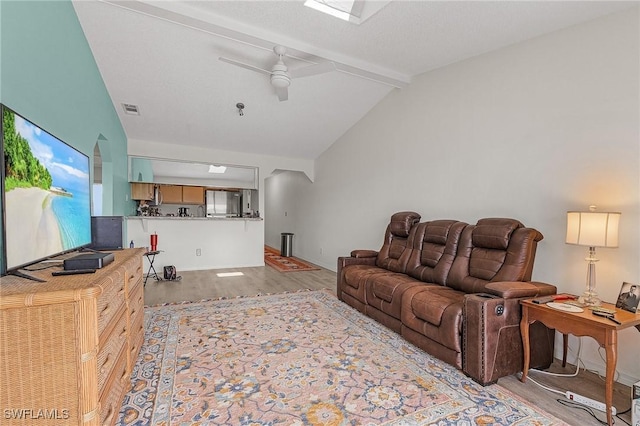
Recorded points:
(285, 264)
(299, 359)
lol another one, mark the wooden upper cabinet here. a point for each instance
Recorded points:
(171, 194)
(193, 195)
(142, 191)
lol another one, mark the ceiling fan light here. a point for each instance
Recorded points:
(279, 80)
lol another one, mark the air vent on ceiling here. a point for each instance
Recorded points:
(131, 109)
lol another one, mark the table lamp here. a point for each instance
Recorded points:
(592, 229)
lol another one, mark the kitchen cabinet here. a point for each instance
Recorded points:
(142, 191)
(178, 194)
(192, 195)
(171, 194)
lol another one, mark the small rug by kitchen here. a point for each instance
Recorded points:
(301, 358)
(285, 264)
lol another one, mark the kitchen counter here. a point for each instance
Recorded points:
(193, 218)
(199, 243)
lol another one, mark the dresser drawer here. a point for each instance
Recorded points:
(136, 300)
(134, 271)
(111, 348)
(136, 338)
(112, 298)
(111, 401)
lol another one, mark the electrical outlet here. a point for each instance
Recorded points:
(198, 252)
(589, 402)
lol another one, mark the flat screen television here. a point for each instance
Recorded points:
(46, 188)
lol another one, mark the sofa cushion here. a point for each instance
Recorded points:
(384, 292)
(483, 256)
(434, 248)
(354, 280)
(402, 222)
(494, 233)
(398, 239)
(435, 312)
(429, 305)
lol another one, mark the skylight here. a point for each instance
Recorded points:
(354, 11)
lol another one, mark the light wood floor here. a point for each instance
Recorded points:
(199, 285)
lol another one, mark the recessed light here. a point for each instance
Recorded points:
(217, 169)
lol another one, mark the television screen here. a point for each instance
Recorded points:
(47, 200)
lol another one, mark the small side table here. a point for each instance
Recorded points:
(151, 257)
(603, 330)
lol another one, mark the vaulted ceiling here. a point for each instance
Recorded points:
(163, 57)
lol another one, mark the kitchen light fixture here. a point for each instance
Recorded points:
(592, 229)
(240, 107)
(217, 169)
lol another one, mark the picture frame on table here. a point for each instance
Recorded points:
(629, 297)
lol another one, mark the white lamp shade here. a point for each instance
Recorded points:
(593, 229)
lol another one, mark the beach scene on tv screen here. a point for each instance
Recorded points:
(47, 193)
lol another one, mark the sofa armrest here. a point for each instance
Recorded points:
(492, 344)
(364, 253)
(519, 290)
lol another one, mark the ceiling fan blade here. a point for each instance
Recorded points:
(243, 65)
(283, 93)
(310, 70)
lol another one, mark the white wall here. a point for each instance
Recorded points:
(281, 207)
(527, 132)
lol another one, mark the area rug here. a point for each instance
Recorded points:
(285, 264)
(299, 359)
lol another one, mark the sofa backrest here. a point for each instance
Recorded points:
(434, 248)
(493, 250)
(398, 240)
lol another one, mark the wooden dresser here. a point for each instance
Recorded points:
(68, 345)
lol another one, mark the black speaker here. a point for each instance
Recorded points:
(106, 232)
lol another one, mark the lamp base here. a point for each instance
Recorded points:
(590, 298)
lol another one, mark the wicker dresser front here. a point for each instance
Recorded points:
(68, 345)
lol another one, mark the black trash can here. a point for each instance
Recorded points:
(286, 245)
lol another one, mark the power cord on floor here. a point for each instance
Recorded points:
(573, 404)
(578, 362)
(589, 410)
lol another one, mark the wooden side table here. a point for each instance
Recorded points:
(603, 330)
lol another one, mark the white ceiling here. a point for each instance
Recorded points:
(163, 57)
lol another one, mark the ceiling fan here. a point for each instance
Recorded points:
(279, 75)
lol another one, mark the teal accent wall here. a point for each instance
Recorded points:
(48, 75)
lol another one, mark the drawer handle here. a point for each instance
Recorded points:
(124, 375)
(110, 414)
(106, 309)
(124, 331)
(121, 290)
(103, 369)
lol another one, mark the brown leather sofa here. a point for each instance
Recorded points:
(453, 290)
